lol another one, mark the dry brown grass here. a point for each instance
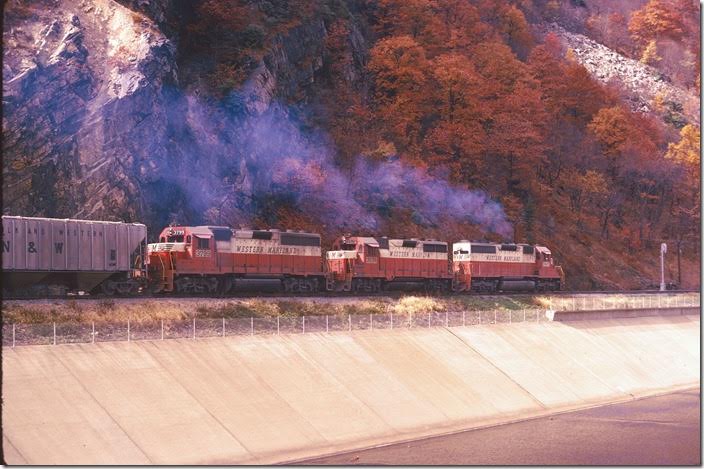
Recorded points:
(150, 310)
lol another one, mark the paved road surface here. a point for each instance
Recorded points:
(662, 430)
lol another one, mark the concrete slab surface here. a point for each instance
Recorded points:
(267, 399)
(661, 431)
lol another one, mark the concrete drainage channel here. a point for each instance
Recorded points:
(268, 399)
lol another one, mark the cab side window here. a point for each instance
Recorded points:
(203, 243)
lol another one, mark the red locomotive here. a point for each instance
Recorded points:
(215, 259)
(365, 264)
(504, 267)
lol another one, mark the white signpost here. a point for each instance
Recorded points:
(663, 250)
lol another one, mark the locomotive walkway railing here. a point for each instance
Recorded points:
(194, 328)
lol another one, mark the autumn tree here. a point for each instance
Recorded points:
(656, 20)
(400, 70)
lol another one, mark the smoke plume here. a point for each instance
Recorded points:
(236, 164)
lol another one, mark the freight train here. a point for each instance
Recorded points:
(45, 256)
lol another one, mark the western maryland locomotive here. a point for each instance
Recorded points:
(372, 264)
(43, 255)
(216, 259)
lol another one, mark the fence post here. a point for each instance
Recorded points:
(304, 324)
(494, 315)
(349, 320)
(92, 334)
(392, 320)
(162, 329)
(251, 325)
(327, 326)
(54, 333)
(524, 315)
(13, 336)
(278, 326)
(428, 320)
(128, 330)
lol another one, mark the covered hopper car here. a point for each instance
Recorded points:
(49, 255)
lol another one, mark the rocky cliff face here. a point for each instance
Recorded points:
(82, 84)
(97, 125)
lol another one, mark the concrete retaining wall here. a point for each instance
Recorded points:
(621, 313)
(271, 399)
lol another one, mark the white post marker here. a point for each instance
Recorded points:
(371, 322)
(162, 329)
(663, 250)
(278, 327)
(392, 320)
(349, 321)
(446, 320)
(327, 327)
(464, 322)
(251, 325)
(92, 334)
(304, 324)
(54, 333)
(128, 330)
(13, 336)
(428, 320)
(194, 328)
(223, 327)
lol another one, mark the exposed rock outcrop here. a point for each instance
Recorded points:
(80, 79)
(97, 125)
(643, 84)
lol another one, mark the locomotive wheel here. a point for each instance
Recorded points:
(108, 287)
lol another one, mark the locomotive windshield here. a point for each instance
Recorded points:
(348, 247)
(175, 239)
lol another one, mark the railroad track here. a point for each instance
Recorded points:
(386, 294)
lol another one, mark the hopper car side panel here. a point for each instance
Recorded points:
(68, 254)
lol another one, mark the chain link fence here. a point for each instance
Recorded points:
(67, 333)
(600, 303)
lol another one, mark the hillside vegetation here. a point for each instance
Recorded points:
(448, 119)
(472, 93)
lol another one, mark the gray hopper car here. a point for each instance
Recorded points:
(49, 255)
